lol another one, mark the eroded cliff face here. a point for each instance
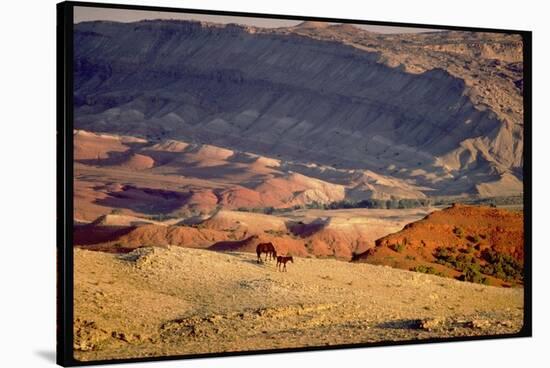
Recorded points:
(305, 97)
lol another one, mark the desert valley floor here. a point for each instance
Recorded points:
(165, 301)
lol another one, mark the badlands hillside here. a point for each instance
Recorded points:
(478, 244)
(174, 178)
(437, 113)
(131, 192)
(469, 243)
(339, 234)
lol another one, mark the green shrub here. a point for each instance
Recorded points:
(444, 254)
(471, 273)
(464, 262)
(275, 232)
(398, 247)
(268, 210)
(426, 269)
(458, 232)
(502, 266)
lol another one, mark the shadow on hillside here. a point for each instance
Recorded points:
(150, 201)
(399, 324)
(246, 259)
(247, 244)
(90, 234)
(304, 230)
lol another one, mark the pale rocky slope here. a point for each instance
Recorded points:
(440, 111)
(155, 302)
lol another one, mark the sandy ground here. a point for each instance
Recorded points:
(165, 301)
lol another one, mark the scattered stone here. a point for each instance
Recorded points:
(481, 324)
(120, 335)
(87, 335)
(506, 323)
(431, 324)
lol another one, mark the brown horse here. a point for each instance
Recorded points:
(268, 249)
(282, 260)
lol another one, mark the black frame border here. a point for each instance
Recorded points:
(64, 171)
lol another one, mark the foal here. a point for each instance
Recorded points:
(282, 260)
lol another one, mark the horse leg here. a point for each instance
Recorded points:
(259, 257)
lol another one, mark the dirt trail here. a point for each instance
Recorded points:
(164, 301)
